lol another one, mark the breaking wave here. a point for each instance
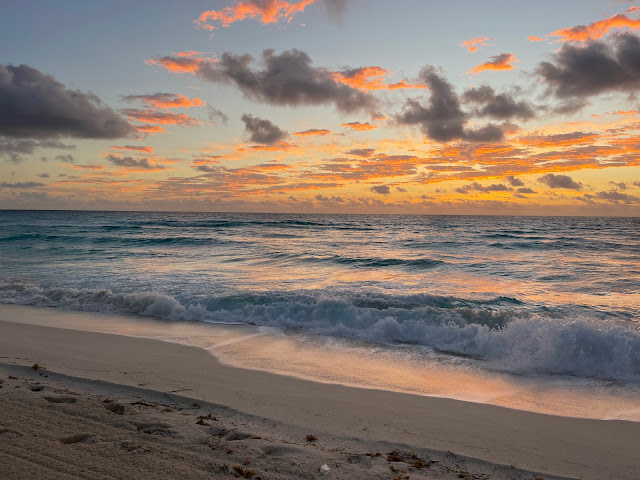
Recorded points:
(500, 331)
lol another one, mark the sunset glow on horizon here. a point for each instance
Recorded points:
(327, 106)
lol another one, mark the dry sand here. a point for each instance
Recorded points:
(44, 433)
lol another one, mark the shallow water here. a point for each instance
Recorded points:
(532, 296)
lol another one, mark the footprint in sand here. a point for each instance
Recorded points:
(79, 438)
(61, 399)
(6, 433)
(153, 428)
(116, 408)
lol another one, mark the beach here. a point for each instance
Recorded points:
(348, 422)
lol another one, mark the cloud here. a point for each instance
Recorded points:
(66, 158)
(560, 181)
(161, 118)
(442, 119)
(617, 197)
(359, 126)
(312, 132)
(500, 106)
(595, 30)
(36, 105)
(472, 45)
(260, 130)
(525, 190)
(134, 148)
(21, 185)
(214, 113)
(335, 9)
(514, 182)
(580, 71)
(13, 147)
(534, 39)
(475, 186)
(381, 189)
(128, 162)
(266, 11)
(361, 152)
(44, 175)
(371, 78)
(182, 63)
(288, 79)
(165, 100)
(499, 62)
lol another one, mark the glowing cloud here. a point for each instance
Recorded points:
(371, 78)
(134, 148)
(165, 100)
(183, 62)
(534, 39)
(161, 118)
(266, 11)
(472, 45)
(498, 62)
(596, 30)
(359, 126)
(312, 132)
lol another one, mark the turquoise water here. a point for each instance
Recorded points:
(528, 295)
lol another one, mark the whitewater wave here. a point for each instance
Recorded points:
(499, 331)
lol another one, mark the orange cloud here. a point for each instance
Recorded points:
(267, 11)
(149, 129)
(371, 78)
(312, 132)
(534, 39)
(595, 30)
(84, 167)
(183, 62)
(162, 118)
(625, 112)
(498, 62)
(359, 126)
(559, 140)
(134, 148)
(472, 45)
(166, 100)
(273, 148)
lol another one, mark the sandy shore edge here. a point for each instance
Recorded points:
(348, 422)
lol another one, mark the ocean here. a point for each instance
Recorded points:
(528, 297)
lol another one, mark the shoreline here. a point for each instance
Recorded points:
(356, 364)
(562, 446)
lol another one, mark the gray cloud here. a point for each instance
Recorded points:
(44, 175)
(260, 130)
(35, 105)
(361, 152)
(475, 186)
(128, 162)
(594, 68)
(288, 79)
(559, 181)
(442, 119)
(67, 158)
(336, 9)
(617, 197)
(525, 190)
(514, 182)
(21, 185)
(381, 189)
(213, 114)
(500, 106)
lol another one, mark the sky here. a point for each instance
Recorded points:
(327, 106)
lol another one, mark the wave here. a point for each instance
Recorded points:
(500, 332)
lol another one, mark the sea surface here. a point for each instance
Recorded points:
(523, 296)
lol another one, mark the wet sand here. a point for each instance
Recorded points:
(347, 421)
